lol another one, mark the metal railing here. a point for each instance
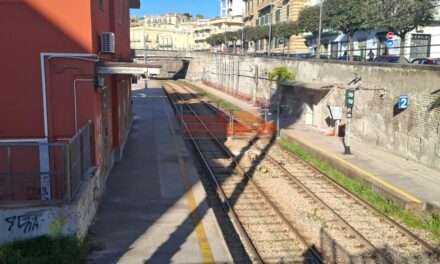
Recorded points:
(79, 159)
(136, 53)
(44, 171)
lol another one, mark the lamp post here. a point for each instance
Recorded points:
(318, 46)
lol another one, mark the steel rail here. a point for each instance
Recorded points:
(321, 202)
(315, 254)
(362, 202)
(237, 223)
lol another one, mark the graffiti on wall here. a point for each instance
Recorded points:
(22, 223)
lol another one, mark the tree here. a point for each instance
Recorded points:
(308, 20)
(403, 16)
(188, 15)
(199, 16)
(348, 16)
(215, 39)
(285, 30)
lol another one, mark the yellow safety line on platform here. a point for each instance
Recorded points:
(372, 176)
(205, 248)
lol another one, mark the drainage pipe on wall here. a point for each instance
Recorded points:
(75, 100)
(45, 181)
(43, 56)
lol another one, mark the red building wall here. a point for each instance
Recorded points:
(30, 27)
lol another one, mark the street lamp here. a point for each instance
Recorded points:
(318, 48)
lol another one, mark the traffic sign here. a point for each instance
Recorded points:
(390, 35)
(403, 102)
(390, 43)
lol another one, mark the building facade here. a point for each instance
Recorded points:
(270, 12)
(53, 94)
(231, 8)
(184, 35)
(423, 42)
(165, 32)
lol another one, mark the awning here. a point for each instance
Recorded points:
(312, 86)
(128, 68)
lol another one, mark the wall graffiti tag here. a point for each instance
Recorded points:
(24, 223)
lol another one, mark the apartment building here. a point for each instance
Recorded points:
(165, 32)
(231, 8)
(184, 35)
(270, 12)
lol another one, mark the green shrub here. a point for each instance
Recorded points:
(45, 249)
(281, 74)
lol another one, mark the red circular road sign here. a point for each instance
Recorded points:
(390, 35)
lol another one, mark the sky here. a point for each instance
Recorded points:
(208, 8)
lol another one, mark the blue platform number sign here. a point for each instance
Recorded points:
(390, 43)
(403, 102)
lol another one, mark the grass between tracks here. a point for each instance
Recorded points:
(428, 221)
(222, 103)
(46, 249)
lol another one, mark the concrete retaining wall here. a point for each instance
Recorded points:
(74, 218)
(413, 133)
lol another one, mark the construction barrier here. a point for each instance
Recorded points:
(240, 124)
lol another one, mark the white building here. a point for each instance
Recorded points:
(231, 8)
(422, 42)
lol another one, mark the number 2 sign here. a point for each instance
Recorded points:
(403, 102)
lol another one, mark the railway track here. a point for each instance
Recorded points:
(293, 206)
(268, 237)
(394, 242)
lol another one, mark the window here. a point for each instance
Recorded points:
(278, 15)
(287, 12)
(101, 4)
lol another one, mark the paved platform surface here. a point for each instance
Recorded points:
(409, 180)
(154, 208)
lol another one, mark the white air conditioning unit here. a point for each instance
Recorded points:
(107, 42)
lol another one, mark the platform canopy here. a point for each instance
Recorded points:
(128, 68)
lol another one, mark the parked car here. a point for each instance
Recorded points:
(389, 59)
(355, 58)
(426, 61)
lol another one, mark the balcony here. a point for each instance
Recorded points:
(264, 4)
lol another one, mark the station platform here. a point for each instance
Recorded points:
(415, 185)
(154, 209)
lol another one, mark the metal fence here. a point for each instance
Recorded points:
(44, 171)
(79, 158)
(136, 53)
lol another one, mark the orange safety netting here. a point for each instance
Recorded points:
(244, 124)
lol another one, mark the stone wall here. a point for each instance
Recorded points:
(412, 133)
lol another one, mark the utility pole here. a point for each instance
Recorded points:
(318, 46)
(242, 32)
(270, 28)
(144, 44)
